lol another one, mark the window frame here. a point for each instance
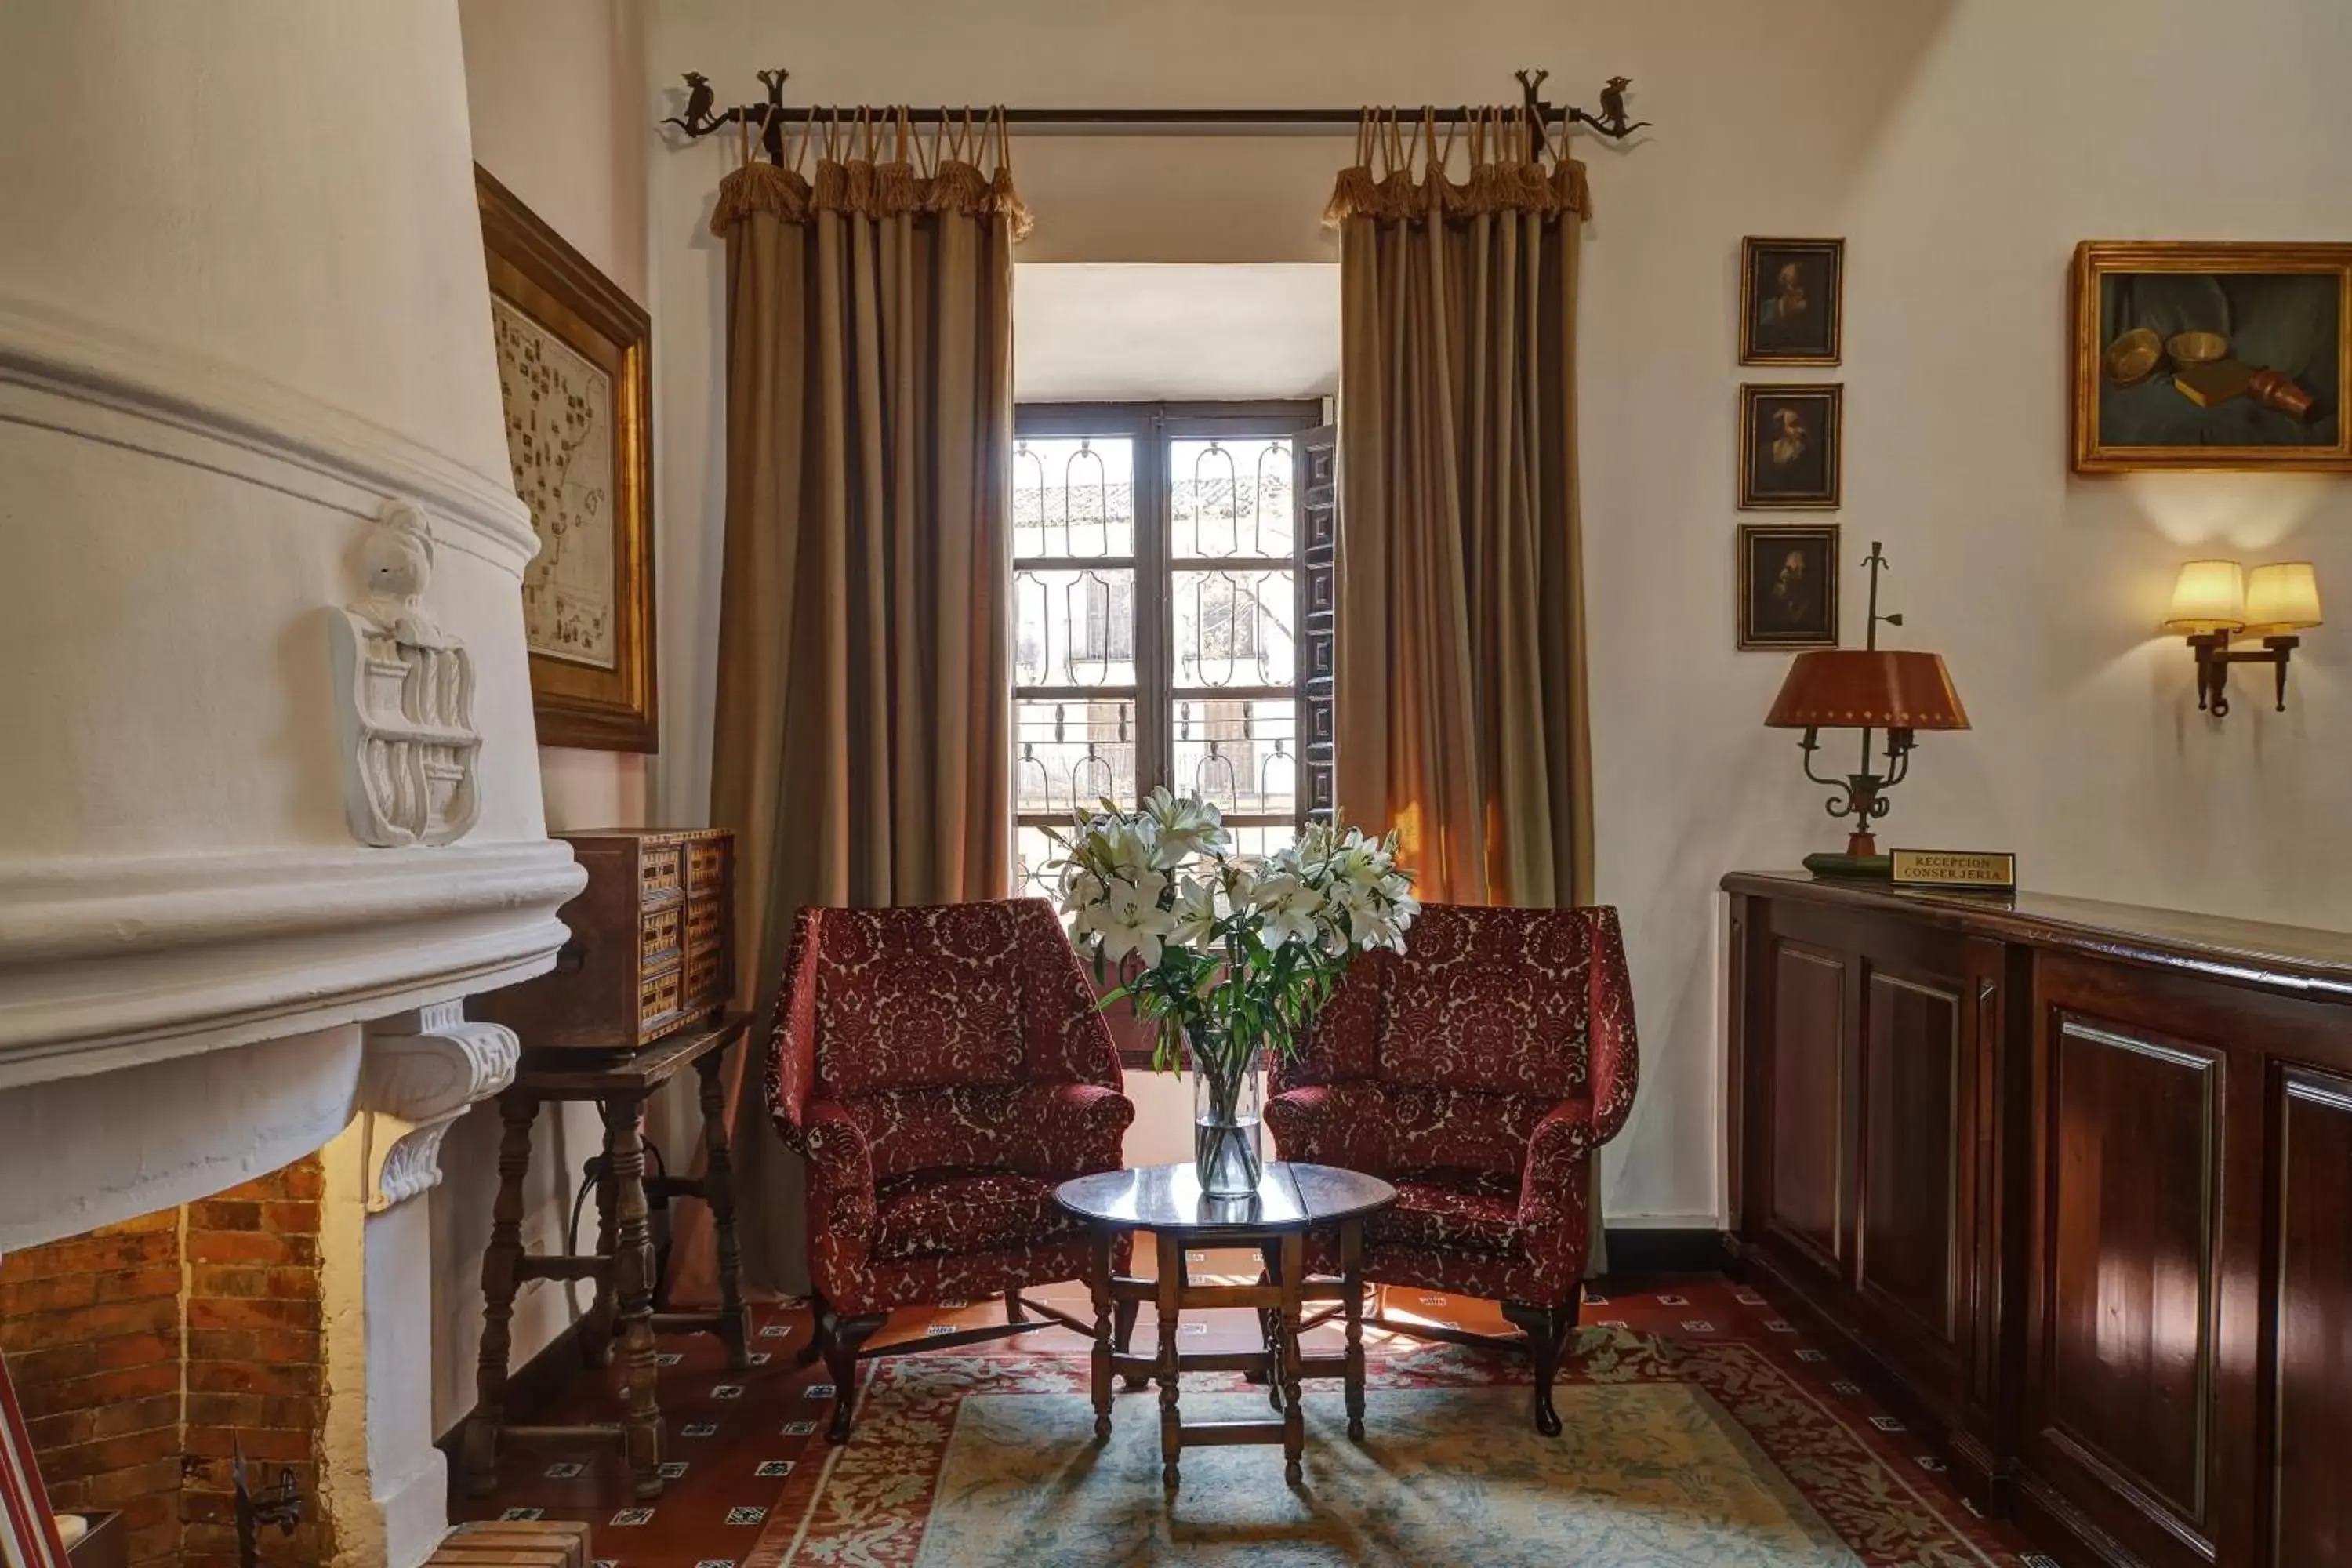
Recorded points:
(1153, 427)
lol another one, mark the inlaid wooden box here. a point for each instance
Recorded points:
(652, 943)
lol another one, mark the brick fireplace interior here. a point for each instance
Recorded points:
(144, 1352)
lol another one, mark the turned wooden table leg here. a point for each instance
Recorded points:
(1170, 1291)
(1269, 1324)
(719, 1192)
(633, 1272)
(1351, 1284)
(1294, 1421)
(501, 1276)
(1099, 1277)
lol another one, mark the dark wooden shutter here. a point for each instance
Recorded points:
(1318, 488)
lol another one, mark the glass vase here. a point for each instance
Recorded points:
(1228, 1117)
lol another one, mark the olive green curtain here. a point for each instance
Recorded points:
(1460, 705)
(864, 704)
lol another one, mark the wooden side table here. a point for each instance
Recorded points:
(621, 1267)
(1291, 1200)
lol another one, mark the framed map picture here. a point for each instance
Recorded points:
(573, 376)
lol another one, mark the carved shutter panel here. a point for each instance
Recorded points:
(1318, 488)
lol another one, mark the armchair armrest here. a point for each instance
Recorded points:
(792, 1039)
(1554, 1187)
(1064, 1130)
(841, 1177)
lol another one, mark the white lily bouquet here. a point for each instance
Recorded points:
(1225, 955)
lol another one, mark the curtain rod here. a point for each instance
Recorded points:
(700, 118)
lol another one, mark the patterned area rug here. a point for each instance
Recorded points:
(1674, 1455)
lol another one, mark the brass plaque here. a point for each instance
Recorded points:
(1978, 870)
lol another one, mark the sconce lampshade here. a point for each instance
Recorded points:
(2210, 596)
(1853, 689)
(2281, 598)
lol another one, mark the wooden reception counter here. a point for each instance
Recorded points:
(2072, 1181)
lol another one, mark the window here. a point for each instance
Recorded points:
(1172, 600)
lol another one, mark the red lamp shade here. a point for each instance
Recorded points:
(1853, 689)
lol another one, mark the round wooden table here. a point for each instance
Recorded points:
(1290, 1200)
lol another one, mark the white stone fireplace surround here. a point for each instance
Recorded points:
(254, 500)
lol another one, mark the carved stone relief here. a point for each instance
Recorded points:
(420, 1072)
(405, 698)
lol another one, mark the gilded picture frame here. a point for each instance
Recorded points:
(1785, 586)
(576, 380)
(1791, 300)
(2225, 356)
(1792, 446)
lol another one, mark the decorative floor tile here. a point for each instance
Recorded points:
(775, 1330)
(671, 1469)
(714, 1563)
(1433, 1300)
(759, 1358)
(1812, 1356)
(771, 1468)
(1196, 1257)
(1671, 1300)
(667, 1358)
(728, 1391)
(1612, 1323)
(2039, 1559)
(1781, 1325)
(606, 1563)
(1747, 1298)
(1595, 1298)
(523, 1515)
(1886, 1423)
(1932, 1465)
(935, 1330)
(700, 1429)
(953, 1306)
(800, 1428)
(747, 1516)
(564, 1471)
(1843, 1387)
(1697, 1326)
(631, 1516)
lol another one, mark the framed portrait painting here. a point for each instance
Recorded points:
(1792, 300)
(1788, 446)
(1786, 576)
(2211, 356)
(574, 379)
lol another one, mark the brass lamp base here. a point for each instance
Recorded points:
(1880, 867)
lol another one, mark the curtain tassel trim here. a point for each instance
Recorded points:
(864, 164)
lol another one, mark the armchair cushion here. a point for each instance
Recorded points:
(945, 1213)
(1446, 1216)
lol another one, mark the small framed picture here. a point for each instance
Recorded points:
(1787, 578)
(1792, 295)
(1789, 441)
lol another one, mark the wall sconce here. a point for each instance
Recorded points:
(2215, 601)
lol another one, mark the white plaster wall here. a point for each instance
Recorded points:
(554, 92)
(1963, 147)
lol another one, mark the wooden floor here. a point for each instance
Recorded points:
(734, 1439)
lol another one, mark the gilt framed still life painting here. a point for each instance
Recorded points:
(2211, 356)
(574, 380)
(1789, 445)
(1793, 300)
(1786, 576)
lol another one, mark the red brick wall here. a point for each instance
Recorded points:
(91, 1330)
(101, 1330)
(256, 1362)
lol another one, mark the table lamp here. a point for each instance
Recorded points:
(1866, 688)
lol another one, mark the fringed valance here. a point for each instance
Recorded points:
(1507, 170)
(872, 163)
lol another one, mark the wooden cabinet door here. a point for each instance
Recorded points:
(1806, 1081)
(2140, 1341)
(2311, 1380)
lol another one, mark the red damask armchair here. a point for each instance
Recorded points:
(1478, 1071)
(942, 1071)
